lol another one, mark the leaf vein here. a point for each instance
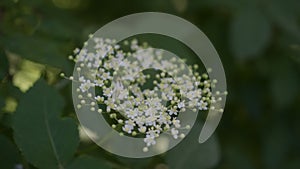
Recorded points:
(49, 133)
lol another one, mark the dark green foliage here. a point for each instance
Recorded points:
(45, 140)
(86, 162)
(9, 154)
(258, 43)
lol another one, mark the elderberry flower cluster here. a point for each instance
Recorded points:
(140, 90)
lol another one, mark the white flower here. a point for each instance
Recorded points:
(152, 133)
(107, 92)
(127, 128)
(149, 140)
(181, 104)
(99, 82)
(176, 123)
(150, 121)
(119, 93)
(110, 103)
(150, 111)
(82, 79)
(142, 129)
(174, 133)
(163, 119)
(132, 113)
(202, 105)
(106, 76)
(98, 98)
(172, 111)
(140, 120)
(85, 86)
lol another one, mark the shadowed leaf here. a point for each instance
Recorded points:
(86, 162)
(46, 141)
(250, 33)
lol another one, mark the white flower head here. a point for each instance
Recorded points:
(118, 78)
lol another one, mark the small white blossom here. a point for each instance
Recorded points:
(176, 123)
(181, 105)
(85, 86)
(127, 128)
(174, 133)
(149, 140)
(172, 111)
(142, 129)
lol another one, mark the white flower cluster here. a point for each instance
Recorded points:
(119, 79)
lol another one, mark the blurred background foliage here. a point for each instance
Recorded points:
(258, 42)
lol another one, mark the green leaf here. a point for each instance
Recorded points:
(235, 156)
(7, 89)
(39, 49)
(135, 163)
(9, 154)
(250, 34)
(276, 146)
(45, 140)
(3, 65)
(2, 103)
(284, 85)
(87, 162)
(285, 14)
(193, 154)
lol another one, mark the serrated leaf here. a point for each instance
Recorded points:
(9, 155)
(193, 154)
(87, 162)
(250, 34)
(45, 140)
